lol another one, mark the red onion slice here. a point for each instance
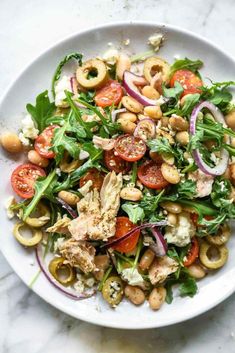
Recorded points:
(130, 83)
(68, 208)
(116, 112)
(145, 129)
(129, 234)
(220, 168)
(74, 85)
(69, 292)
(160, 247)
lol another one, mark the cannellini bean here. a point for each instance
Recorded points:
(157, 298)
(178, 123)
(11, 142)
(127, 126)
(68, 197)
(123, 64)
(146, 259)
(35, 158)
(172, 207)
(132, 104)
(131, 194)
(172, 219)
(233, 141)
(182, 137)
(153, 111)
(230, 119)
(150, 92)
(134, 294)
(170, 173)
(128, 116)
(226, 174)
(196, 271)
(101, 263)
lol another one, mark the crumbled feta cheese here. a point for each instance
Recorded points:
(58, 171)
(9, 202)
(111, 56)
(181, 234)
(132, 276)
(148, 240)
(79, 286)
(61, 86)
(29, 131)
(83, 155)
(213, 157)
(89, 282)
(58, 243)
(222, 185)
(85, 188)
(156, 40)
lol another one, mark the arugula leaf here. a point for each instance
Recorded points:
(57, 74)
(187, 64)
(220, 193)
(187, 189)
(87, 96)
(42, 110)
(149, 203)
(134, 211)
(188, 287)
(160, 145)
(141, 56)
(189, 103)
(174, 92)
(218, 94)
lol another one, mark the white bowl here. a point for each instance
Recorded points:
(35, 79)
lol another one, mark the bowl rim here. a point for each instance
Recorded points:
(107, 25)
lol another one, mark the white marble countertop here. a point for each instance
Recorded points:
(29, 325)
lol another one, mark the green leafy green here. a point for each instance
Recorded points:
(189, 103)
(134, 211)
(160, 145)
(218, 94)
(142, 56)
(87, 96)
(188, 287)
(186, 188)
(182, 64)
(174, 92)
(149, 203)
(42, 110)
(221, 192)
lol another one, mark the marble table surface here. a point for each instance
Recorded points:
(27, 323)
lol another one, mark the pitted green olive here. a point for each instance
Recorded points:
(34, 240)
(153, 65)
(62, 271)
(113, 290)
(95, 66)
(212, 256)
(221, 237)
(40, 221)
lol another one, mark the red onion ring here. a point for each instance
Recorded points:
(148, 127)
(220, 168)
(116, 112)
(74, 85)
(68, 208)
(160, 247)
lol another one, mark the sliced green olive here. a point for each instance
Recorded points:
(212, 256)
(113, 290)
(34, 240)
(153, 65)
(67, 165)
(221, 237)
(85, 73)
(40, 221)
(62, 271)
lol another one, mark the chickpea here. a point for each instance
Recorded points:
(196, 271)
(134, 294)
(101, 263)
(178, 123)
(127, 126)
(230, 119)
(232, 173)
(150, 92)
(157, 298)
(172, 219)
(11, 142)
(146, 259)
(182, 137)
(123, 64)
(172, 207)
(165, 121)
(132, 104)
(153, 111)
(170, 173)
(131, 194)
(68, 197)
(35, 158)
(128, 116)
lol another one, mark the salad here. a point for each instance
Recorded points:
(128, 186)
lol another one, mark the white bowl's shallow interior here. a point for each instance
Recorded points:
(35, 79)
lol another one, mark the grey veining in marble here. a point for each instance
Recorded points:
(27, 324)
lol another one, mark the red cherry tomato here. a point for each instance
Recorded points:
(44, 142)
(23, 179)
(130, 148)
(194, 217)
(110, 94)
(95, 176)
(151, 176)
(115, 163)
(193, 252)
(124, 225)
(188, 80)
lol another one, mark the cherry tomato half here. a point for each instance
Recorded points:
(130, 148)
(23, 179)
(124, 225)
(95, 176)
(194, 217)
(188, 80)
(110, 94)
(44, 142)
(115, 163)
(151, 176)
(193, 252)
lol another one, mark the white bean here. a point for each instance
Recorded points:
(131, 194)
(157, 298)
(132, 104)
(35, 158)
(123, 64)
(170, 173)
(70, 198)
(11, 142)
(134, 294)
